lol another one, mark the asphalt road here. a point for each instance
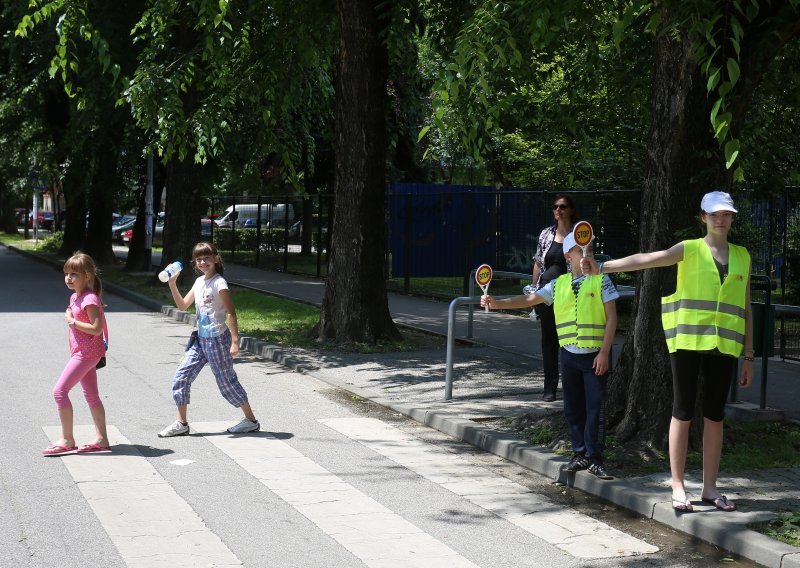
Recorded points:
(329, 482)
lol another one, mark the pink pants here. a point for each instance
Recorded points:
(77, 371)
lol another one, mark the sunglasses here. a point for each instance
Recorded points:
(560, 206)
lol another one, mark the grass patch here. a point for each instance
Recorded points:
(748, 446)
(274, 319)
(785, 528)
(760, 445)
(12, 238)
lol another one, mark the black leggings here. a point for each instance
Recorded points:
(717, 373)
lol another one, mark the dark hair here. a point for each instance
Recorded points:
(82, 262)
(209, 249)
(571, 202)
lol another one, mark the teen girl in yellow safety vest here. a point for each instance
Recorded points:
(586, 321)
(707, 323)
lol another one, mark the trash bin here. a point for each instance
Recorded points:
(763, 339)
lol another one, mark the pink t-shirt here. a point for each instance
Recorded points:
(89, 346)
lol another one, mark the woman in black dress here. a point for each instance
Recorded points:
(548, 264)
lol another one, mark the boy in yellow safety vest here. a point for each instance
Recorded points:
(586, 321)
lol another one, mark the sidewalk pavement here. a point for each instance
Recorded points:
(498, 374)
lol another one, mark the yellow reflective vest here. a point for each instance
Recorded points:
(581, 319)
(702, 314)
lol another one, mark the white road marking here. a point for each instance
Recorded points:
(181, 462)
(370, 531)
(148, 522)
(579, 535)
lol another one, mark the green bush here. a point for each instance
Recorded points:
(51, 243)
(245, 239)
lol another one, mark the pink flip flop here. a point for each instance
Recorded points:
(58, 450)
(93, 449)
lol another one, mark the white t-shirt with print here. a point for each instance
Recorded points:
(211, 312)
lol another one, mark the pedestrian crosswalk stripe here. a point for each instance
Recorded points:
(148, 522)
(370, 531)
(577, 534)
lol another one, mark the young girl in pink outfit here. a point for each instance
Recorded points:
(85, 320)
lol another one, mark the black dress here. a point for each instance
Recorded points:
(555, 265)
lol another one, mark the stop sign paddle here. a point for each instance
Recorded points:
(583, 235)
(483, 276)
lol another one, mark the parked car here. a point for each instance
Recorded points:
(158, 232)
(120, 226)
(246, 214)
(46, 219)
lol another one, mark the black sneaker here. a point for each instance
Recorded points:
(549, 397)
(577, 463)
(599, 471)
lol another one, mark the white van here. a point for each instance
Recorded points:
(246, 215)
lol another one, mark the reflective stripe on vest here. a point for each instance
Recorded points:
(581, 319)
(702, 314)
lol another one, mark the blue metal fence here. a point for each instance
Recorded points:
(436, 234)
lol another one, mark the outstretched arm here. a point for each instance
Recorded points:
(638, 261)
(521, 301)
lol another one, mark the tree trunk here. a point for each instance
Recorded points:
(682, 163)
(355, 307)
(8, 220)
(139, 258)
(76, 177)
(184, 207)
(105, 182)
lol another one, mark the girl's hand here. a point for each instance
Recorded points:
(746, 376)
(487, 300)
(68, 317)
(600, 364)
(234, 347)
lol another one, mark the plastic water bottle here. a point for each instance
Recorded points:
(170, 270)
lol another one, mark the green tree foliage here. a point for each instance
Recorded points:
(544, 97)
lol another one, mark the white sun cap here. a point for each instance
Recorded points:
(717, 201)
(569, 243)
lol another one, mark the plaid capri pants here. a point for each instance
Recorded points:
(216, 352)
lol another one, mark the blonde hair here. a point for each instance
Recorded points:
(82, 262)
(209, 249)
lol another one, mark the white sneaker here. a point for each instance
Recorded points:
(245, 426)
(174, 429)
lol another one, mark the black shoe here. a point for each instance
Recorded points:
(577, 463)
(549, 397)
(599, 471)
